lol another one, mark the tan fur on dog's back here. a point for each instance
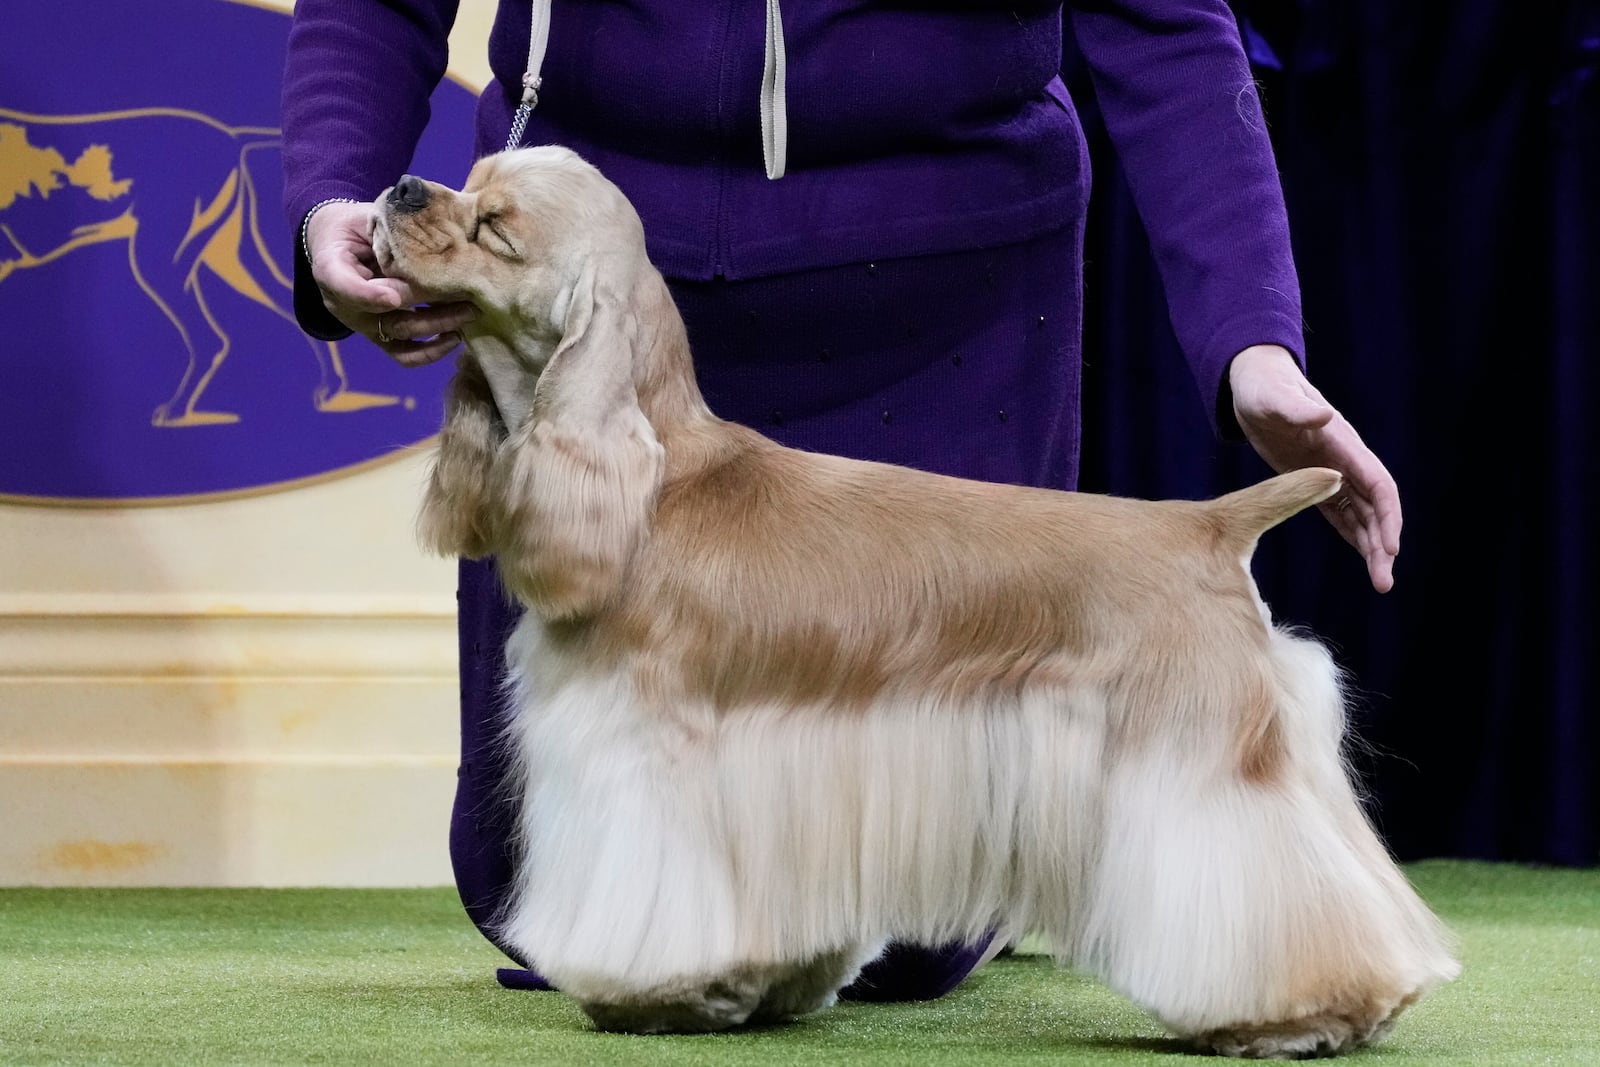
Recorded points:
(795, 551)
(771, 709)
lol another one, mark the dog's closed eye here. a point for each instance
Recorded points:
(490, 230)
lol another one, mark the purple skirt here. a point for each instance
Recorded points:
(964, 363)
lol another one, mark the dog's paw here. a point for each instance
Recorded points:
(1309, 1038)
(716, 1006)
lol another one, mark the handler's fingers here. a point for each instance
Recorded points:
(1386, 505)
(1379, 500)
(1380, 570)
(1357, 520)
(1344, 514)
(423, 322)
(349, 287)
(421, 353)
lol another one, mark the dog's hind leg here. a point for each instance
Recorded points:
(1250, 906)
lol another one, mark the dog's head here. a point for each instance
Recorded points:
(515, 240)
(547, 459)
(535, 239)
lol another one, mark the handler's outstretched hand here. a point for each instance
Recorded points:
(383, 309)
(1291, 425)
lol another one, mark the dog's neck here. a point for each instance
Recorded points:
(663, 370)
(512, 370)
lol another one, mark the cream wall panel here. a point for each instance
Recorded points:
(255, 691)
(233, 717)
(330, 821)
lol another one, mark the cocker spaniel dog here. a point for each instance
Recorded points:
(773, 709)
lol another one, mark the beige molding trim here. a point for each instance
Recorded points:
(214, 606)
(363, 760)
(168, 636)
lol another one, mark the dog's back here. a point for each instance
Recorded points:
(801, 577)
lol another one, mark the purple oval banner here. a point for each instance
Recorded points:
(148, 352)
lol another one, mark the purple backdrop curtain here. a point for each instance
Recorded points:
(1441, 164)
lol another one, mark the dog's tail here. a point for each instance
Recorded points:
(1245, 515)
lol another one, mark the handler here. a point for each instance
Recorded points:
(871, 217)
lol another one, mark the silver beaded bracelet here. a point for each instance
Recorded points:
(305, 224)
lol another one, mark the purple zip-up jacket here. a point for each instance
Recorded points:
(914, 127)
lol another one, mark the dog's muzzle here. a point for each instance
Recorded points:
(409, 194)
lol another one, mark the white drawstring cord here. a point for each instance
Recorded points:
(538, 41)
(774, 97)
(774, 87)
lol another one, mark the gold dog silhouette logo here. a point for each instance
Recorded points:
(173, 257)
(151, 351)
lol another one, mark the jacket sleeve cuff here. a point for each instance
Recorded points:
(309, 310)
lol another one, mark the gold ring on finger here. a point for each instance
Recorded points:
(383, 334)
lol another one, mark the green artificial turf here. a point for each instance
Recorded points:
(353, 977)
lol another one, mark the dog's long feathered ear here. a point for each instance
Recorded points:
(583, 471)
(457, 517)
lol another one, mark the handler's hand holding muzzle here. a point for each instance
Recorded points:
(338, 241)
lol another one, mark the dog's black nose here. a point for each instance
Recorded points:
(409, 194)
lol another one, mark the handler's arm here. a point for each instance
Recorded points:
(355, 100)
